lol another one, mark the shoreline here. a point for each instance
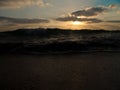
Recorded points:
(64, 53)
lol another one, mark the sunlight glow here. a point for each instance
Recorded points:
(76, 23)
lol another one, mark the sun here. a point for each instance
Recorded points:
(76, 22)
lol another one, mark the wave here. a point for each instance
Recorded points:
(42, 41)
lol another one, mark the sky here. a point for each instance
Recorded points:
(65, 14)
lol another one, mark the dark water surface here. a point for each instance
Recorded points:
(87, 71)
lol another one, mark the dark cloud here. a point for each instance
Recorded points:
(88, 14)
(114, 21)
(77, 15)
(92, 11)
(20, 3)
(90, 20)
(8, 20)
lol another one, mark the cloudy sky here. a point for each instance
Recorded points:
(66, 14)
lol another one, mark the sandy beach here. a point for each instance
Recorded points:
(85, 71)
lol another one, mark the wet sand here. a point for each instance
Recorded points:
(85, 71)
